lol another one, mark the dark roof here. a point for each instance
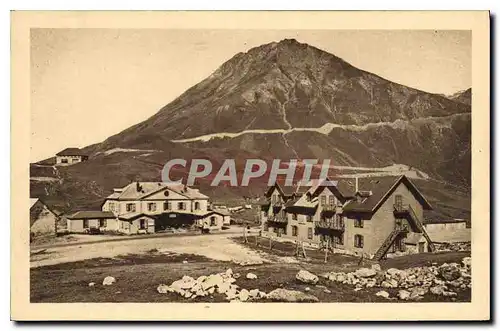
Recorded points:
(444, 221)
(72, 151)
(381, 188)
(291, 202)
(91, 214)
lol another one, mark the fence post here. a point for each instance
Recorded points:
(245, 234)
(326, 250)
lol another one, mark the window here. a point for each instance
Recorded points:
(340, 239)
(142, 224)
(295, 231)
(130, 207)
(103, 223)
(294, 217)
(64, 160)
(151, 206)
(309, 218)
(167, 206)
(358, 222)
(323, 200)
(85, 224)
(358, 241)
(196, 205)
(111, 206)
(332, 200)
(181, 206)
(213, 221)
(398, 201)
(309, 233)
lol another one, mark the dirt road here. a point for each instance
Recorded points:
(214, 246)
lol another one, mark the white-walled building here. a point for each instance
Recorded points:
(70, 156)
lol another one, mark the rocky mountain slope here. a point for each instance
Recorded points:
(282, 100)
(464, 97)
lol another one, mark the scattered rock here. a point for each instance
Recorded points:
(244, 295)
(376, 267)
(162, 288)
(383, 294)
(108, 280)
(403, 294)
(307, 289)
(251, 276)
(91, 284)
(327, 291)
(449, 271)
(249, 262)
(365, 272)
(254, 293)
(467, 262)
(283, 295)
(184, 261)
(307, 277)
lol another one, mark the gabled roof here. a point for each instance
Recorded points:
(33, 201)
(382, 188)
(133, 216)
(131, 192)
(72, 151)
(91, 214)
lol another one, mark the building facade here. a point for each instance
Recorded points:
(375, 217)
(70, 156)
(43, 221)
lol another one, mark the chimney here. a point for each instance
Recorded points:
(138, 186)
(357, 184)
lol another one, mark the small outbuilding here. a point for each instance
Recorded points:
(43, 220)
(86, 221)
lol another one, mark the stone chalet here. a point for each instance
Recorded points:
(70, 156)
(374, 216)
(149, 207)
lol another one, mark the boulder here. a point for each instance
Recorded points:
(229, 272)
(223, 287)
(91, 284)
(341, 277)
(467, 262)
(283, 295)
(449, 294)
(211, 281)
(307, 277)
(376, 267)
(327, 291)
(418, 292)
(382, 294)
(403, 294)
(251, 276)
(162, 288)
(365, 272)
(449, 271)
(307, 289)
(201, 279)
(243, 295)
(254, 293)
(108, 280)
(393, 271)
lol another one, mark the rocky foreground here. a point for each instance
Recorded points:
(405, 284)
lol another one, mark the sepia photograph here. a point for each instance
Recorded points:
(247, 165)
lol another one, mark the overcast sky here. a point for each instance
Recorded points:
(88, 84)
